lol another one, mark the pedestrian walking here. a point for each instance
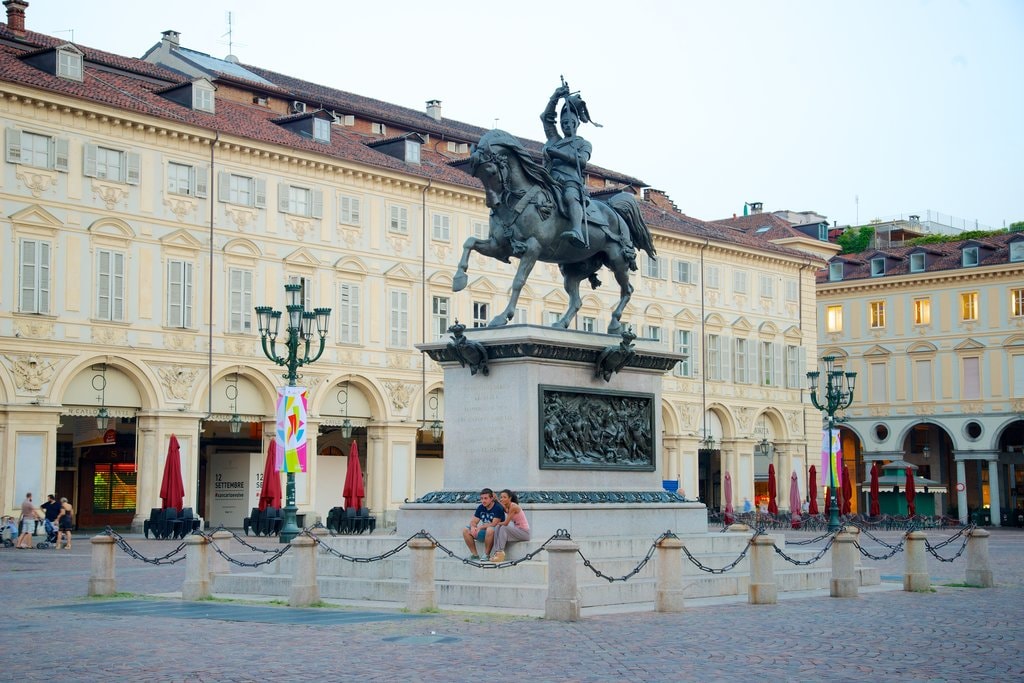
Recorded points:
(29, 515)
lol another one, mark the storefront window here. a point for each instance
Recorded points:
(113, 488)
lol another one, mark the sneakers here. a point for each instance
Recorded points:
(498, 557)
(475, 558)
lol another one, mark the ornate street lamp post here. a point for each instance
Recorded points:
(837, 396)
(300, 332)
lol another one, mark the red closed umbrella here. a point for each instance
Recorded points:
(847, 490)
(874, 509)
(270, 494)
(828, 500)
(794, 501)
(727, 494)
(172, 490)
(354, 492)
(812, 492)
(911, 493)
(773, 506)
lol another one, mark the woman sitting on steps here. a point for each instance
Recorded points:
(514, 528)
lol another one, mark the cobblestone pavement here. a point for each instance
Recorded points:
(50, 631)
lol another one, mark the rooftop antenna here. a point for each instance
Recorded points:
(67, 30)
(231, 44)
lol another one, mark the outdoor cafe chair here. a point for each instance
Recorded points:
(252, 522)
(154, 523)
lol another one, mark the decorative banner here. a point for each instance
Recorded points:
(833, 472)
(291, 429)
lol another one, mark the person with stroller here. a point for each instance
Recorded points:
(29, 515)
(65, 522)
(51, 510)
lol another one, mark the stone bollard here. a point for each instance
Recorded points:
(563, 601)
(421, 594)
(979, 571)
(101, 578)
(762, 589)
(737, 528)
(304, 591)
(224, 540)
(668, 572)
(868, 576)
(844, 581)
(915, 572)
(197, 568)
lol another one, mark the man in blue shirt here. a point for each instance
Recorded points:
(481, 528)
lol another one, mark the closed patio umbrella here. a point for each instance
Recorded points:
(847, 491)
(812, 492)
(794, 501)
(773, 505)
(270, 494)
(727, 494)
(911, 493)
(172, 490)
(353, 490)
(873, 508)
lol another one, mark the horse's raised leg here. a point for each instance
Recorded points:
(621, 270)
(527, 260)
(572, 275)
(487, 247)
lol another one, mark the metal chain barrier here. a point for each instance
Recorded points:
(805, 563)
(810, 540)
(722, 570)
(276, 554)
(326, 549)
(962, 532)
(626, 577)
(127, 548)
(876, 539)
(893, 548)
(559, 535)
(241, 539)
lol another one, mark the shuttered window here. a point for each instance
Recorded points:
(109, 285)
(179, 293)
(240, 300)
(34, 289)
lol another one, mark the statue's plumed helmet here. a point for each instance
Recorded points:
(576, 105)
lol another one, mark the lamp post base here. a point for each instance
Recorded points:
(290, 529)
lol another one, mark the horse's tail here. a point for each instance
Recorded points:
(627, 207)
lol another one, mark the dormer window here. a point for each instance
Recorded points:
(835, 271)
(823, 232)
(69, 64)
(412, 152)
(1017, 250)
(321, 130)
(970, 257)
(917, 262)
(877, 266)
(202, 97)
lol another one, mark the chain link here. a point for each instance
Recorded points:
(559, 535)
(712, 570)
(965, 531)
(636, 570)
(127, 548)
(328, 550)
(805, 563)
(241, 539)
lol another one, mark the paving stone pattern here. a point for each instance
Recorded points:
(50, 631)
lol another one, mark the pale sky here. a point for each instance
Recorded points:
(857, 109)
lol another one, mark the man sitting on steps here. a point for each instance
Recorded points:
(481, 528)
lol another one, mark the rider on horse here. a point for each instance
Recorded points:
(566, 157)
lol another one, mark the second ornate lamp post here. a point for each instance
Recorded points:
(300, 333)
(838, 395)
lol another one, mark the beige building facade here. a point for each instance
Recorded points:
(146, 213)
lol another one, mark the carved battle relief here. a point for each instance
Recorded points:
(596, 430)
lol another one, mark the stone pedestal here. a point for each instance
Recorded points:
(668, 569)
(304, 589)
(762, 589)
(915, 573)
(845, 582)
(101, 576)
(979, 571)
(225, 541)
(563, 601)
(421, 594)
(197, 569)
(495, 437)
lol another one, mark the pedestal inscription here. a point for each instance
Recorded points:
(596, 430)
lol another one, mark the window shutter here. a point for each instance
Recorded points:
(61, 155)
(117, 295)
(235, 300)
(29, 259)
(354, 209)
(44, 277)
(103, 285)
(223, 186)
(726, 357)
(317, 209)
(777, 375)
(260, 200)
(14, 145)
(132, 169)
(89, 165)
(174, 269)
(202, 184)
(187, 295)
(282, 197)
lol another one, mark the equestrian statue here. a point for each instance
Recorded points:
(543, 213)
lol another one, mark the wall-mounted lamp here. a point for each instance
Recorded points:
(231, 391)
(764, 447)
(99, 383)
(346, 424)
(436, 427)
(708, 443)
(926, 452)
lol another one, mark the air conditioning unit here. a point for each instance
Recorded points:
(298, 107)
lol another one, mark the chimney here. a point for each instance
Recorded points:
(755, 207)
(434, 109)
(172, 37)
(16, 16)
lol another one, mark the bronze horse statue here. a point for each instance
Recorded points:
(527, 222)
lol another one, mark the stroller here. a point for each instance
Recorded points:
(51, 534)
(9, 533)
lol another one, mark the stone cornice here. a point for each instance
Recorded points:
(923, 281)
